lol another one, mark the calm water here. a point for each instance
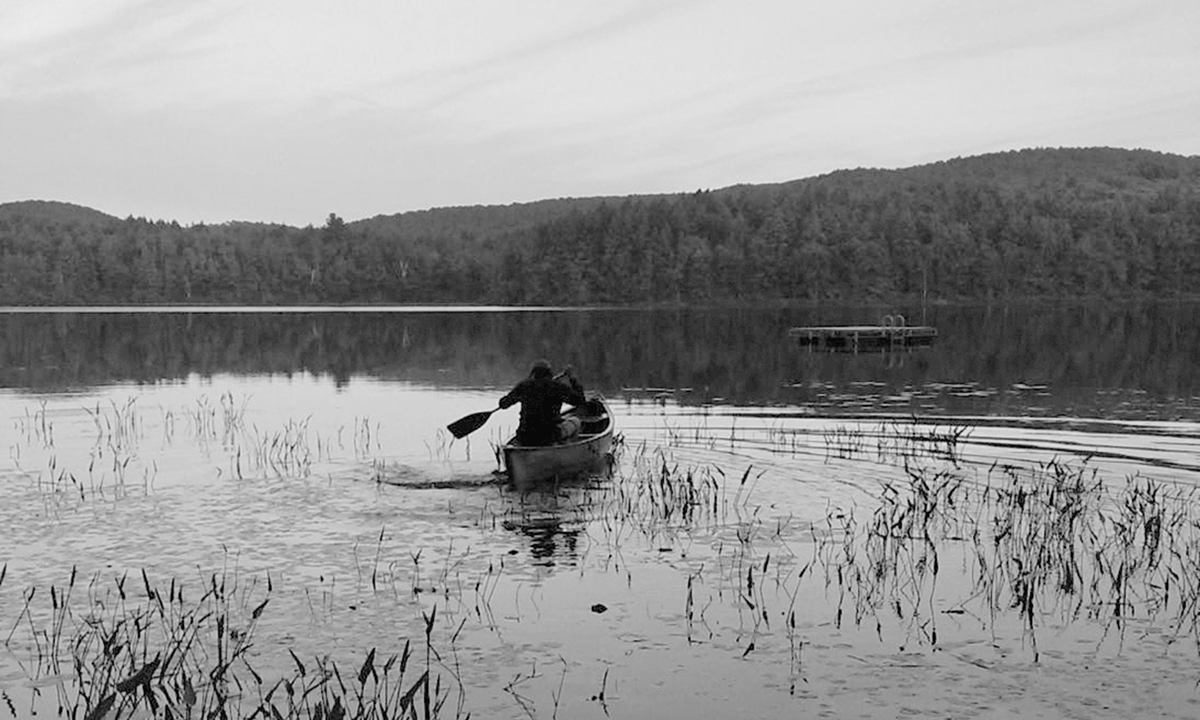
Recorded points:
(1134, 362)
(307, 447)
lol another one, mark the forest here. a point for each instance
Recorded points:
(1094, 222)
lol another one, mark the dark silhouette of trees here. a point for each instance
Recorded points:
(1032, 223)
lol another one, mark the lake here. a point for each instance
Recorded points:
(784, 532)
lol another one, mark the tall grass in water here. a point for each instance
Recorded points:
(119, 430)
(654, 496)
(897, 441)
(1051, 542)
(134, 650)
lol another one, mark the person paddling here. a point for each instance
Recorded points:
(542, 395)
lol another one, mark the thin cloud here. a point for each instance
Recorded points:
(446, 86)
(289, 110)
(127, 47)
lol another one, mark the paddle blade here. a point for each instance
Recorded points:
(469, 424)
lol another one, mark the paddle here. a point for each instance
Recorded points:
(464, 426)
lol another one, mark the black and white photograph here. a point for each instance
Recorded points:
(531, 360)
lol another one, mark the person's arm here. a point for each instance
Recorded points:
(572, 390)
(513, 397)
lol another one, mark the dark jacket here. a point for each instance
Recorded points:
(541, 401)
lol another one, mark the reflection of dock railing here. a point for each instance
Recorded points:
(891, 333)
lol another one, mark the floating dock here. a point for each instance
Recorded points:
(863, 338)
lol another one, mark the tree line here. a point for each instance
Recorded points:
(1031, 223)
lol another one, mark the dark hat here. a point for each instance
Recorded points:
(540, 368)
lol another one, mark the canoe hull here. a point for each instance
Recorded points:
(530, 467)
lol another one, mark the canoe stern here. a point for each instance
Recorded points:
(530, 466)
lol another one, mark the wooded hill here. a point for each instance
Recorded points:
(1044, 222)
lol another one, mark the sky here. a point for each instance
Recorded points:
(289, 110)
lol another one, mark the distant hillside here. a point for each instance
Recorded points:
(477, 220)
(1104, 170)
(1039, 222)
(1097, 173)
(53, 212)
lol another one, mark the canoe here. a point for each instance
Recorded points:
(529, 466)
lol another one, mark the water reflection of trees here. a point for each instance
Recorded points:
(741, 356)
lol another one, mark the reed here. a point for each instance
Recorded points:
(1046, 541)
(844, 442)
(131, 649)
(119, 428)
(897, 442)
(1017, 548)
(656, 495)
(902, 442)
(287, 452)
(36, 427)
